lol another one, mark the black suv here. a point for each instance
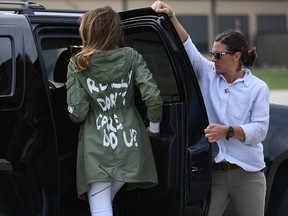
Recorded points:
(38, 142)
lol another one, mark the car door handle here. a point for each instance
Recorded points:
(194, 170)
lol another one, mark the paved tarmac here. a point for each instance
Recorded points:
(279, 96)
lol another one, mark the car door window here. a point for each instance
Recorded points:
(12, 68)
(149, 45)
(6, 78)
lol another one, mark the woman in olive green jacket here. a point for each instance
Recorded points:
(114, 147)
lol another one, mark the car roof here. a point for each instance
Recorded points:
(32, 9)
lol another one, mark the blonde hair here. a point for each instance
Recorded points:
(100, 31)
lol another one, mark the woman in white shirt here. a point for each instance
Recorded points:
(237, 104)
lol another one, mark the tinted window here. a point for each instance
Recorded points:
(148, 44)
(6, 81)
(52, 47)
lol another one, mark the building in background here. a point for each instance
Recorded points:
(264, 22)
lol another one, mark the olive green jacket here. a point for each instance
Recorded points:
(112, 133)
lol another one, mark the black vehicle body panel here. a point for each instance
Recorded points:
(38, 142)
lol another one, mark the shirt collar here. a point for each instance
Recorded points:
(246, 79)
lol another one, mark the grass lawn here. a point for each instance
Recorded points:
(276, 78)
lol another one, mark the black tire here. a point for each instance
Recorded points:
(278, 201)
(19, 195)
(283, 209)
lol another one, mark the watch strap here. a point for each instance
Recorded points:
(230, 133)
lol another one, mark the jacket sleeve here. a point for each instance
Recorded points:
(148, 89)
(77, 97)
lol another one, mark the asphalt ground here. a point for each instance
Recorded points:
(279, 96)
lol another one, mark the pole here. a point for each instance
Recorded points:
(124, 5)
(213, 21)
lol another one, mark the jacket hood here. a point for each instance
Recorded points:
(109, 66)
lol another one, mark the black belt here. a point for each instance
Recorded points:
(224, 166)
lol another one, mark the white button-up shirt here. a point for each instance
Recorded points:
(243, 103)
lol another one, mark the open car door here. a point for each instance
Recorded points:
(182, 154)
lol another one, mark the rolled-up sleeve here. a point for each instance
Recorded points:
(256, 131)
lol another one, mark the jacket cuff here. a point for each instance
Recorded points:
(154, 127)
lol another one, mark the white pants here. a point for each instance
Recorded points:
(101, 195)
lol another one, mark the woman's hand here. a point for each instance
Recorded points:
(151, 134)
(215, 132)
(161, 7)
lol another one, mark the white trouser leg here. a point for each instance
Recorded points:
(99, 196)
(116, 185)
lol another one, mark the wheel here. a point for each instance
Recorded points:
(278, 201)
(283, 210)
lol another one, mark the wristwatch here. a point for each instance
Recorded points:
(230, 133)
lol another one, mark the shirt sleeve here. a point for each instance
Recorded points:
(148, 88)
(200, 64)
(256, 131)
(77, 97)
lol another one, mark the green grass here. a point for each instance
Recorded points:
(276, 78)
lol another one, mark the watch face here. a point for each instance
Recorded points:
(230, 133)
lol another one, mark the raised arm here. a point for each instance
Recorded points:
(161, 7)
